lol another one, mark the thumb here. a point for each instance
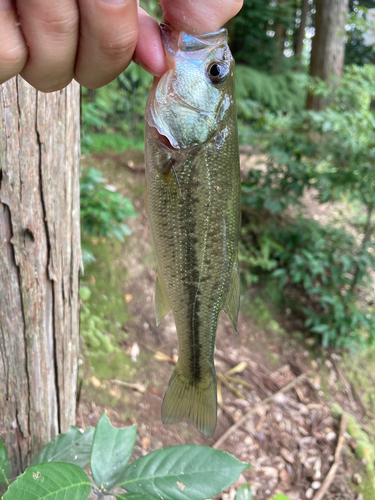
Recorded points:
(199, 16)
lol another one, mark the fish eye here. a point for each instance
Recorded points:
(217, 72)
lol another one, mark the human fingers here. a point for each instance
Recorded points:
(149, 52)
(108, 36)
(13, 51)
(199, 16)
(50, 28)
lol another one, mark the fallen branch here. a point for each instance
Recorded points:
(137, 387)
(247, 415)
(331, 474)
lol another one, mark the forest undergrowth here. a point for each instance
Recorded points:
(307, 259)
(123, 345)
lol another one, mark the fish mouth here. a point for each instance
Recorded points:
(175, 40)
(166, 143)
(167, 103)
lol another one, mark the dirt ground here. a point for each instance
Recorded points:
(290, 438)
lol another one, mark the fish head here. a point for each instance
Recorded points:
(188, 104)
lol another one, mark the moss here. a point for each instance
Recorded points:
(105, 280)
(367, 488)
(105, 311)
(359, 369)
(352, 427)
(336, 410)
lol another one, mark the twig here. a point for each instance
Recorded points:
(236, 369)
(247, 415)
(137, 387)
(239, 381)
(226, 382)
(226, 411)
(160, 356)
(331, 474)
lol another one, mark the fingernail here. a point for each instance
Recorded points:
(5, 4)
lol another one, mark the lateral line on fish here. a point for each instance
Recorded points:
(200, 270)
(195, 322)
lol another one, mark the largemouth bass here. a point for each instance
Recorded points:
(193, 205)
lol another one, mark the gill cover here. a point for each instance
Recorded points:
(189, 101)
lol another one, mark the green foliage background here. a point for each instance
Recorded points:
(321, 269)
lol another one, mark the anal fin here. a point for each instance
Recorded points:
(162, 304)
(232, 303)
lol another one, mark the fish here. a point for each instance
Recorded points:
(193, 203)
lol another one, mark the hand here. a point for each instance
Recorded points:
(199, 16)
(49, 42)
(192, 16)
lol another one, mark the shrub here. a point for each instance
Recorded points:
(103, 209)
(198, 472)
(112, 116)
(333, 153)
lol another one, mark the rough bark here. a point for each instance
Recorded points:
(328, 44)
(39, 266)
(301, 32)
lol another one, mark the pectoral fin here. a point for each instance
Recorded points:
(232, 303)
(162, 305)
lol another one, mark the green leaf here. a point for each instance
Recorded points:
(280, 497)
(244, 493)
(74, 447)
(111, 451)
(4, 465)
(85, 293)
(54, 481)
(133, 496)
(180, 472)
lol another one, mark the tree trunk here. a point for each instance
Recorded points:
(328, 44)
(280, 34)
(300, 33)
(40, 258)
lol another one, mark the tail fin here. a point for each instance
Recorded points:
(190, 399)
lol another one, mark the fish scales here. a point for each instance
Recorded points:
(193, 205)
